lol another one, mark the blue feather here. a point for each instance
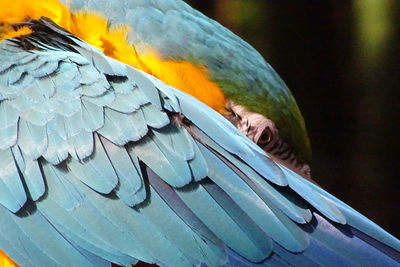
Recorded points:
(30, 252)
(302, 188)
(121, 128)
(8, 136)
(198, 165)
(154, 117)
(80, 146)
(138, 228)
(12, 192)
(358, 221)
(63, 192)
(289, 207)
(264, 166)
(11, 250)
(171, 169)
(32, 139)
(46, 245)
(176, 141)
(126, 102)
(130, 179)
(109, 65)
(240, 236)
(8, 115)
(96, 171)
(145, 85)
(342, 242)
(57, 149)
(87, 227)
(97, 88)
(180, 225)
(282, 230)
(103, 100)
(90, 75)
(33, 179)
(92, 116)
(45, 69)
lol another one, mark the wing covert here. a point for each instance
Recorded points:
(115, 166)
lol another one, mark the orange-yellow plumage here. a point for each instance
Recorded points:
(5, 261)
(8, 32)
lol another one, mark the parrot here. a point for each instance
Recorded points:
(142, 131)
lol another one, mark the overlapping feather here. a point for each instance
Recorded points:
(96, 159)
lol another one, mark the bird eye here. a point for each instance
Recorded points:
(235, 115)
(265, 137)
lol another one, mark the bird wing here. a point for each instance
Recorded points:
(177, 31)
(100, 163)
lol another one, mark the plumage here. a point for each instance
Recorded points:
(96, 171)
(32, 139)
(176, 141)
(247, 241)
(283, 231)
(109, 164)
(183, 228)
(33, 179)
(174, 171)
(129, 177)
(12, 193)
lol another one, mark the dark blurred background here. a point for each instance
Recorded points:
(341, 60)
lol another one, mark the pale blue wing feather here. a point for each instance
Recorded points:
(247, 241)
(85, 223)
(12, 192)
(130, 179)
(283, 231)
(96, 171)
(42, 236)
(47, 68)
(121, 128)
(63, 192)
(212, 126)
(74, 232)
(103, 100)
(33, 179)
(126, 102)
(146, 86)
(57, 149)
(8, 136)
(154, 117)
(176, 140)
(32, 139)
(80, 146)
(182, 228)
(33, 256)
(314, 198)
(297, 213)
(93, 116)
(198, 165)
(8, 115)
(133, 224)
(174, 171)
(96, 88)
(90, 75)
(12, 251)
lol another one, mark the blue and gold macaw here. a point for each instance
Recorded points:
(106, 158)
